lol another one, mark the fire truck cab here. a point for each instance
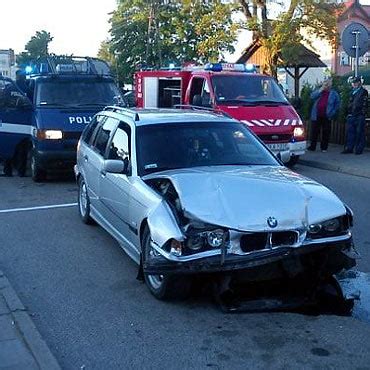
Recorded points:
(254, 99)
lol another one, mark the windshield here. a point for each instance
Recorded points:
(250, 89)
(185, 145)
(69, 93)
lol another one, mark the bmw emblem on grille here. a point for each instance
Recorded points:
(272, 222)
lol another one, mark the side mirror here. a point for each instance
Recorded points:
(116, 166)
(284, 156)
(23, 103)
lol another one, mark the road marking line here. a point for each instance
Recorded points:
(38, 208)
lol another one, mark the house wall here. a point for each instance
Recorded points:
(341, 62)
(258, 58)
(312, 76)
(7, 61)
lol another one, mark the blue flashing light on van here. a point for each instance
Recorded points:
(62, 95)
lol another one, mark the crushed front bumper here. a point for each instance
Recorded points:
(283, 261)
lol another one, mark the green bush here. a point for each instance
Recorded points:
(306, 101)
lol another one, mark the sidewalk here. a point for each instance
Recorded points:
(21, 346)
(332, 160)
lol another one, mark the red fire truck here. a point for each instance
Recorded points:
(254, 99)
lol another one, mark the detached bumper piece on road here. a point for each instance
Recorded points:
(281, 279)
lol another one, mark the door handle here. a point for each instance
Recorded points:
(102, 173)
(86, 158)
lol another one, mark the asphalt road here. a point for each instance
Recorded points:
(81, 290)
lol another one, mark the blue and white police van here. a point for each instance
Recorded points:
(15, 123)
(46, 121)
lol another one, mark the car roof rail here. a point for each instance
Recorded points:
(205, 109)
(127, 111)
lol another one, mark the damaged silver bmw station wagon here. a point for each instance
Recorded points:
(191, 193)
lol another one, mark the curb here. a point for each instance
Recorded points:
(335, 168)
(31, 336)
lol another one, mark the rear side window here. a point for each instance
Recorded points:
(103, 135)
(89, 129)
(119, 147)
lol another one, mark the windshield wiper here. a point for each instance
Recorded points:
(270, 102)
(90, 105)
(234, 164)
(236, 101)
(47, 105)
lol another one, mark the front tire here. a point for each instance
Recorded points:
(163, 287)
(37, 173)
(84, 203)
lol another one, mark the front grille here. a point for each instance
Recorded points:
(71, 135)
(275, 138)
(284, 238)
(258, 241)
(253, 242)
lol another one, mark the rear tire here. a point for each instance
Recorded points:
(8, 168)
(84, 203)
(164, 287)
(37, 173)
(21, 158)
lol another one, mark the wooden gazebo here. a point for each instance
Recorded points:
(304, 59)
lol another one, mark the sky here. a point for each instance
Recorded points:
(78, 26)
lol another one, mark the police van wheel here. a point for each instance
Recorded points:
(84, 203)
(38, 174)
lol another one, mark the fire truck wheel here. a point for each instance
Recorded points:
(293, 161)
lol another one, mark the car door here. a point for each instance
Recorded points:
(15, 118)
(94, 160)
(84, 148)
(115, 188)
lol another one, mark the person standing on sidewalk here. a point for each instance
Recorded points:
(325, 107)
(357, 109)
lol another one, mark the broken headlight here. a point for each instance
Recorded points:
(202, 240)
(329, 228)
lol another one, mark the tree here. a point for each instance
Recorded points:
(36, 47)
(296, 21)
(156, 32)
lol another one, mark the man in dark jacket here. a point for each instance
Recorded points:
(325, 108)
(357, 109)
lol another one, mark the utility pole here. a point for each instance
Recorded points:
(153, 34)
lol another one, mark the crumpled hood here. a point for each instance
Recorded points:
(244, 198)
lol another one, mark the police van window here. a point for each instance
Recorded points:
(11, 96)
(120, 145)
(77, 93)
(103, 134)
(89, 129)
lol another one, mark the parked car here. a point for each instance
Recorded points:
(187, 192)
